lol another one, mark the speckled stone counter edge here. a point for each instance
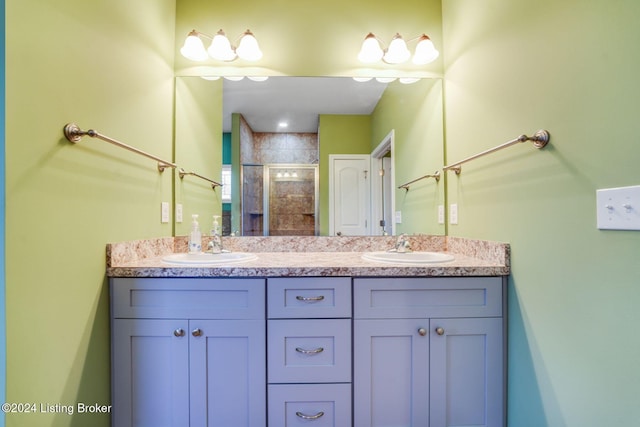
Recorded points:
(127, 253)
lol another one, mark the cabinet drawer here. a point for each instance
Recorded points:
(427, 297)
(309, 351)
(309, 297)
(317, 405)
(192, 298)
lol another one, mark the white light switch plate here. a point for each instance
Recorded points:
(398, 217)
(440, 214)
(453, 214)
(618, 208)
(179, 212)
(164, 212)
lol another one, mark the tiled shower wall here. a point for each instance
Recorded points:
(260, 148)
(264, 148)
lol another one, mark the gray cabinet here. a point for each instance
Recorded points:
(321, 351)
(429, 352)
(188, 352)
(309, 351)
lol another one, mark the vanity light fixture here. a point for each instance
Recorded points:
(397, 52)
(221, 48)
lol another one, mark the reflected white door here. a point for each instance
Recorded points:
(349, 194)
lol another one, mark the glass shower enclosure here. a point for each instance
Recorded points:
(279, 200)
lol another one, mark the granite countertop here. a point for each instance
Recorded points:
(310, 256)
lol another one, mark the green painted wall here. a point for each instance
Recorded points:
(339, 134)
(98, 64)
(198, 136)
(414, 113)
(512, 67)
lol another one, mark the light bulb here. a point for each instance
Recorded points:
(220, 48)
(425, 51)
(408, 80)
(370, 50)
(248, 48)
(193, 48)
(397, 51)
(258, 78)
(362, 79)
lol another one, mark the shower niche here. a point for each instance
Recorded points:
(279, 200)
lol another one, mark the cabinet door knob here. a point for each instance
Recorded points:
(196, 332)
(422, 332)
(309, 417)
(440, 331)
(179, 332)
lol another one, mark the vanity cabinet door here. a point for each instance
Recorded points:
(413, 368)
(228, 374)
(391, 373)
(466, 372)
(150, 373)
(188, 352)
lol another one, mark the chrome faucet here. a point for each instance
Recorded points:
(215, 245)
(403, 244)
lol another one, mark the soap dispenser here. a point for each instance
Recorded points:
(216, 240)
(215, 227)
(195, 238)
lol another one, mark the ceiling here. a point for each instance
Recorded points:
(296, 100)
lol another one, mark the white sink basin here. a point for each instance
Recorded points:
(204, 258)
(408, 257)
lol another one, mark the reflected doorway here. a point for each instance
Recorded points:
(383, 203)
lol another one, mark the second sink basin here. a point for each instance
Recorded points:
(408, 257)
(205, 258)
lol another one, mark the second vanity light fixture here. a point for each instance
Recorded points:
(397, 52)
(221, 48)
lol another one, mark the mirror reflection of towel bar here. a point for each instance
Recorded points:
(435, 175)
(214, 184)
(539, 139)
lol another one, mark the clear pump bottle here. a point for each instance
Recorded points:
(195, 238)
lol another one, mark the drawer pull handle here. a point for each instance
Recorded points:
(440, 331)
(179, 332)
(196, 332)
(310, 299)
(309, 417)
(314, 351)
(422, 332)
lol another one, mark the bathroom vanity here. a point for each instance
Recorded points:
(319, 338)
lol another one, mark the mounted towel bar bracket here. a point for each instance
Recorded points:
(74, 134)
(539, 139)
(214, 184)
(435, 175)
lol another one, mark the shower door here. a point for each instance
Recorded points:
(280, 200)
(252, 182)
(291, 200)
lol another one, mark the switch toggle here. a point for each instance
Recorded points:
(618, 208)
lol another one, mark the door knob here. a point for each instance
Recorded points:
(179, 332)
(422, 332)
(196, 332)
(440, 331)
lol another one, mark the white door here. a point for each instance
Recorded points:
(349, 196)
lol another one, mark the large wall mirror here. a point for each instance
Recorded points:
(311, 155)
